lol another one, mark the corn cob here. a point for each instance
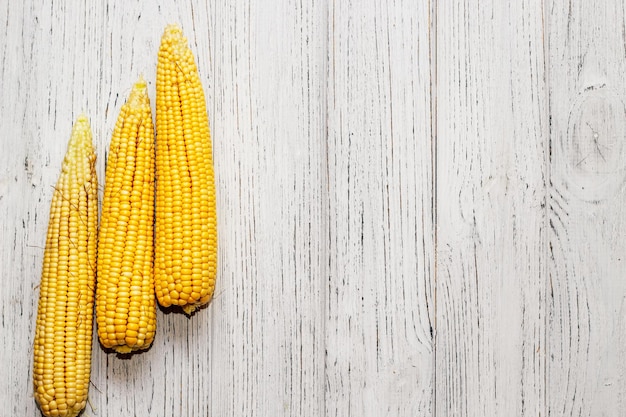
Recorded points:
(62, 347)
(125, 301)
(186, 225)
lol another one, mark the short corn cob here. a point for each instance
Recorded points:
(62, 347)
(125, 301)
(186, 225)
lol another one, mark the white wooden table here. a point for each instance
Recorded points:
(421, 203)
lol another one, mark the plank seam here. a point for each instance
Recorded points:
(434, 204)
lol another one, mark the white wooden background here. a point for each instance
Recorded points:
(421, 203)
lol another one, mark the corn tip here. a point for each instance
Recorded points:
(173, 29)
(81, 123)
(141, 82)
(139, 94)
(80, 138)
(173, 36)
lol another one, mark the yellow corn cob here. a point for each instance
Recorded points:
(186, 225)
(125, 302)
(62, 347)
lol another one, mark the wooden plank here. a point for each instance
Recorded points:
(491, 186)
(269, 106)
(381, 252)
(587, 86)
(18, 225)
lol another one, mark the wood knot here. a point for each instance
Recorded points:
(594, 144)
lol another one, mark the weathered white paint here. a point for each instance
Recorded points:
(420, 203)
(587, 307)
(491, 218)
(379, 311)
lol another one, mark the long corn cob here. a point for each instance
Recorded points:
(62, 347)
(125, 301)
(186, 225)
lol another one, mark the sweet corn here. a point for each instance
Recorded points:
(186, 225)
(125, 301)
(62, 347)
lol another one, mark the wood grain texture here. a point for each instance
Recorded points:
(587, 307)
(379, 349)
(491, 182)
(420, 203)
(269, 105)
